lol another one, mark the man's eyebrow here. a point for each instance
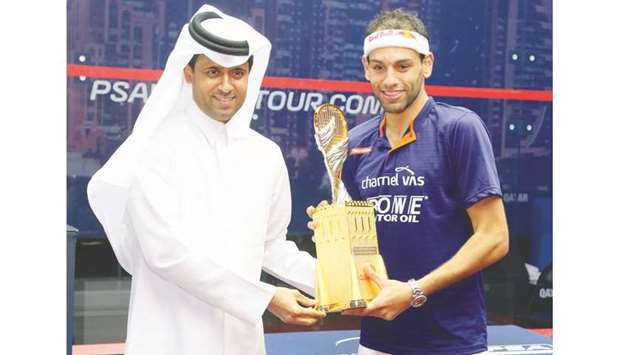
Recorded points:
(400, 61)
(406, 60)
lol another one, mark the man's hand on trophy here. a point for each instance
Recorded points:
(392, 300)
(294, 308)
(310, 211)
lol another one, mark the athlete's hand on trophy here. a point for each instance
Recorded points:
(294, 308)
(392, 300)
(310, 211)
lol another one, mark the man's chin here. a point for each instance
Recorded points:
(225, 109)
(394, 108)
(226, 115)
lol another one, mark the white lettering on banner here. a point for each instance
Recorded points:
(282, 101)
(516, 197)
(259, 102)
(120, 91)
(340, 97)
(100, 87)
(300, 104)
(545, 293)
(313, 101)
(356, 100)
(371, 105)
(140, 91)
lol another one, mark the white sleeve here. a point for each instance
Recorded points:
(282, 258)
(153, 214)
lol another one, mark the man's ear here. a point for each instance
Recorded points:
(188, 74)
(427, 65)
(365, 64)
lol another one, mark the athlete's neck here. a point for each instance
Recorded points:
(397, 123)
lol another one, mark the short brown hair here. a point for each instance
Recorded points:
(398, 19)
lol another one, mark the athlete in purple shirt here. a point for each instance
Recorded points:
(430, 170)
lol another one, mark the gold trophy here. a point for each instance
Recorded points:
(346, 235)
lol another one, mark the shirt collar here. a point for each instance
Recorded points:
(410, 135)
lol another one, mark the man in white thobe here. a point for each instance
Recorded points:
(195, 203)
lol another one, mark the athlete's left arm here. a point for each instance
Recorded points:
(487, 245)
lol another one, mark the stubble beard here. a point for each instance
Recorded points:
(401, 107)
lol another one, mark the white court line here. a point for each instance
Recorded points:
(520, 349)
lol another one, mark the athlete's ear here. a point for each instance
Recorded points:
(365, 64)
(427, 65)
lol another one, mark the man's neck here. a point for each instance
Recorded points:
(397, 123)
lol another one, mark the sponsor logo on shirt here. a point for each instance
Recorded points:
(397, 208)
(360, 150)
(403, 177)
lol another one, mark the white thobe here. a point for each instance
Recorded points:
(208, 209)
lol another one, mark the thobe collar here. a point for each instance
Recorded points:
(214, 131)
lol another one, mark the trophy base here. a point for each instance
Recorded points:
(339, 307)
(346, 241)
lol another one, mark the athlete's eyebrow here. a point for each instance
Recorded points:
(400, 61)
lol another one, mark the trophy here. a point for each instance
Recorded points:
(346, 235)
